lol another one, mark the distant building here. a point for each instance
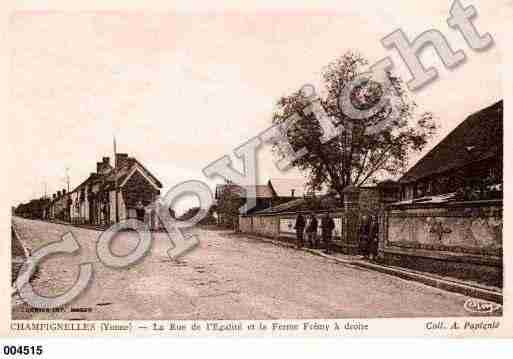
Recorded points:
(275, 192)
(230, 197)
(59, 207)
(34, 209)
(369, 200)
(289, 188)
(466, 160)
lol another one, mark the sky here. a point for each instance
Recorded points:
(178, 90)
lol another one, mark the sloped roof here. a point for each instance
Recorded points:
(120, 174)
(125, 170)
(323, 203)
(293, 205)
(283, 186)
(478, 138)
(262, 191)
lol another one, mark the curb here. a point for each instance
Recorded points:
(18, 237)
(26, 252)
(76, 225)
(468, 289)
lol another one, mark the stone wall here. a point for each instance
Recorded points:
(462, 239)
(456, 239)
(369, 199)
(282, 226)
(245, 224)
(267, 226)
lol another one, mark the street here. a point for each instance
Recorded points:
(226, 277)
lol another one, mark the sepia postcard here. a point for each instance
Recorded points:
(260, 169)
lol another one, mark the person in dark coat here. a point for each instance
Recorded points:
(311, 231)
(300, 227)
(373, 238)
(364, 235)
(327, 227)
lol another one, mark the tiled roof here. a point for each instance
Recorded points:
(122, 172)
(290, 206)
(262, 191)
(477, 138)
(283, 186)
(323, 203)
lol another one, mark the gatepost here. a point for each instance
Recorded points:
(351, 208)
(390, 192)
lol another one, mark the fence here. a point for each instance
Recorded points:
(282, 226)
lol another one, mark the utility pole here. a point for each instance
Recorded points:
(67, 177)
(116, 180)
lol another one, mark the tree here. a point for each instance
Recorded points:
(355, 156)
(229, 201)
(191, 212)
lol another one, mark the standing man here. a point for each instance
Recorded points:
(373, 238)
(311, 231)
(300, 227)
(327, 227)
(364, 234)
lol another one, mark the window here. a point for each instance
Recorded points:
(493, 173)
(132, 213)
(429, 187)
(420, 190)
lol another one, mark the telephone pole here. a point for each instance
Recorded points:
(67, 177)
(116, 179)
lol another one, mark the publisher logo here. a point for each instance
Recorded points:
(479, 306)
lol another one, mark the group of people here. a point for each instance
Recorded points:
(368, 233)
(310, 229)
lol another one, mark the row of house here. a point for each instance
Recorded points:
(34, 209)
(110, 194)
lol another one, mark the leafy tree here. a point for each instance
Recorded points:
(191, 212)
(355, 156)
(228, 203)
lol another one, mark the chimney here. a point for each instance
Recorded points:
(121, 160)
(103, 166)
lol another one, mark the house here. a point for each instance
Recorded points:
(230, 197)
(34, 209)
(369, 200)
(466, 163)
(274, 192)
(288, 188)
(450, 219)
(128, 182)
(60, 206)
(57, 207)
